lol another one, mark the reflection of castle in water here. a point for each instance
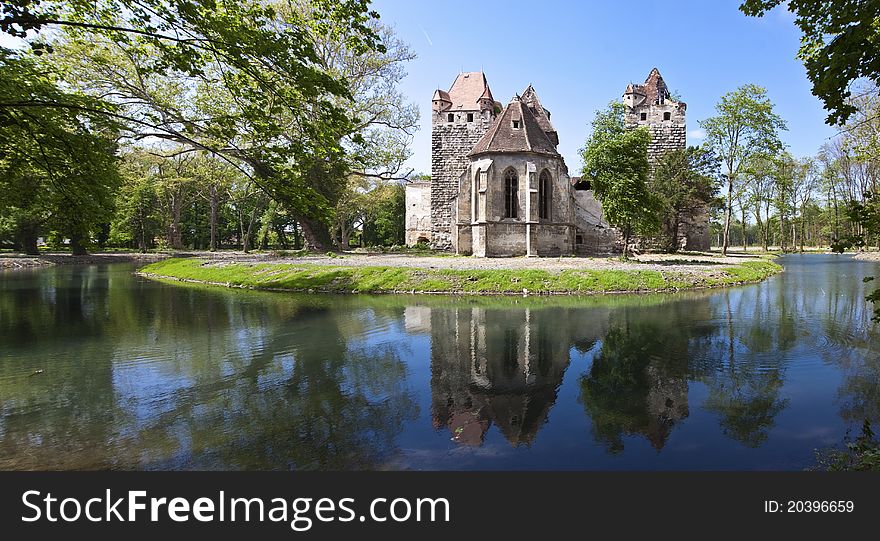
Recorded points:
(504, 367)
(494, 366)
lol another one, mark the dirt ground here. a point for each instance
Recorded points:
(19, 261)
(690, 262)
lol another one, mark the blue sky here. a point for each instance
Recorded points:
(579, 55)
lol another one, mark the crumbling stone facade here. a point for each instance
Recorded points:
(652, 105)
(500, 188)
(459, 118)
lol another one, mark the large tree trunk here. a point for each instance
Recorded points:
(27, 238)
(345, 239)
(142, 238)
(175, 237)
(745, 239)
(215, 204)
(727, 214)
(246, 244)
(77, 246)
(316, 234)
(297, 236)
(781, 232)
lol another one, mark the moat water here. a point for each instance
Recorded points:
(102, 369)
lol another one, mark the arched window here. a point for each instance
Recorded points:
(511, 194)
(545, 195)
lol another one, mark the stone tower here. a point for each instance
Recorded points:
(459, 119)
(652, 105)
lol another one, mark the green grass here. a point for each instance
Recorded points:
(375, 279)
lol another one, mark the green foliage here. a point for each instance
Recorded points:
(861, 454)
(616, 162)
(237, 79)
(384, 224)
(684, 183)
(376, 279)
(840, 44)
(745, 126)
(57, 164)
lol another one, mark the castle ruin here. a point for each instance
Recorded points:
(499, 187)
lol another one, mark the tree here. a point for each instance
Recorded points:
(840, 44)
(57, 165)
(234, 79)
(136, 220)
(616, 162)
(684, 183)
(745, 125)
(384, 220)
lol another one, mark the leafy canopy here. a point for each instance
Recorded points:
(616, 162)
(840, 44)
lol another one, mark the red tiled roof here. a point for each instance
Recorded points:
(468, 89)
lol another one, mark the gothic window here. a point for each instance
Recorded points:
(511, 194)
(667, 116)
(470, 117)
(545, 195)
(450, 117)
(644, 116)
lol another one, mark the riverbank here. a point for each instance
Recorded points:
(466, 275)
(19, 261)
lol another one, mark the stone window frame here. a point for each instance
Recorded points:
(470, 117)
(545, 195)
(511, 193)
(516, 123)
(643, 116)
(667, 116)
(450, 117)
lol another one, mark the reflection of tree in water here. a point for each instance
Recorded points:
(746, 374)
(309, 397)
(170, 377)
(495, 366)
(637, 383)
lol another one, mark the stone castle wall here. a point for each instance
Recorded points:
(418, 212)
(668, 135)
(450, 144)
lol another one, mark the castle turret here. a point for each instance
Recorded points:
(460, 117)
(652, 105)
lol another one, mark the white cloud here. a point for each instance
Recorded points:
(698, 134)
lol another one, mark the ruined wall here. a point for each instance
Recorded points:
(593, 235)
(450, 144)
(668, 135)
(418, 212)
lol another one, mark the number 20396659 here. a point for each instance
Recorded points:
(809, 506)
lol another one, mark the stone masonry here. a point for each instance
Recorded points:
(459, 119)
(651, 105)
(450, 144)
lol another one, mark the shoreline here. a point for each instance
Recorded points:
(18, 261)
(541, 279)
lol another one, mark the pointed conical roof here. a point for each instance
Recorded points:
(441, 95)
(502, 136)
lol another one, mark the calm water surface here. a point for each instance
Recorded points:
(103, 369)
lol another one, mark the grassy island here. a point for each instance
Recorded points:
(331, 277)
